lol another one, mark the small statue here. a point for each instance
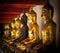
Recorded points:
(49, 29)
(7, 31)
(17, 23)
(13, 24)
(13, 31)
(18, 27)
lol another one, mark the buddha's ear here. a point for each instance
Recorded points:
(50, 13)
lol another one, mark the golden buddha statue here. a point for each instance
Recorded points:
(17, 22)
(12, 32)
(17, 26)
(49, 29)
(6, 26)
(13, 24)
(7, 31)
(15, 29)
(33, 28)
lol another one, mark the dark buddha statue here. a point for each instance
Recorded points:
(49, 29)
(23, 30)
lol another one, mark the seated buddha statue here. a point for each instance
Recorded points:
(12, 32)
(33, 32)
(15, 31)
(33, 28)
(13, 24)
(7, 31)
(23, 30)
(17, 22)
(17, 27)
(49, 28)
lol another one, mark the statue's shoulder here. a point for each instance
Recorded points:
(52, 23)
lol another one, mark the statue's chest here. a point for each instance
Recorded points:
(45, 30)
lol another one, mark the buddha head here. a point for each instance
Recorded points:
(24, 19)
(6, 26)
(17, 22)
(13, 24)
(47, 11)
(32, 16)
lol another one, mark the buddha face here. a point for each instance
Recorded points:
(32, 19)
(32, 16)
(13, 25)
(17, 24)
(45, 14)
(24, 19)
(6, 32)
(7, 26)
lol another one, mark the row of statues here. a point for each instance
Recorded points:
(20, 35)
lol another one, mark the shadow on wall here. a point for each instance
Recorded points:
(59, 23)
(55, 4)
